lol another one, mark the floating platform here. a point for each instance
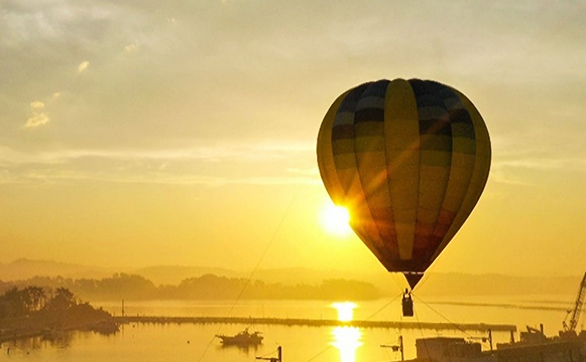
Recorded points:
(481, 327)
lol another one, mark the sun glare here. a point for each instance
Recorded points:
(336, 219)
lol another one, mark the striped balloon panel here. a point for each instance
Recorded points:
(409, 159)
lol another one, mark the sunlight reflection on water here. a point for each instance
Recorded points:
(347, 340)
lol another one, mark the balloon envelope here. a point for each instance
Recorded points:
(409, 159)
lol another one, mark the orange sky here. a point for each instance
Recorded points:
(140, 134)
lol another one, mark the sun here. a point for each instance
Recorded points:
(336, 219)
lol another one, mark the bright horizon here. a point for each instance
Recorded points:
(133, 135)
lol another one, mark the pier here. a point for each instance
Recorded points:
(298, 322)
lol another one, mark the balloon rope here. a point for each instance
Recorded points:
(270, 353)
(384, 306)
(271, 240)
(320, 353)
(444, 317)
(371, 316)
(422, 335)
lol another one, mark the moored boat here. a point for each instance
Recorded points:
(244, 338)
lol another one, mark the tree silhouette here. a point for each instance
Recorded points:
(63, 300)
(15, 302)
(35, 298)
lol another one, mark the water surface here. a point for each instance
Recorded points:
(196, 342)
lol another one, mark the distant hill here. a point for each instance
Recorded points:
(23, 268)
(27, 268)
(307, 275)
(174, 274)
(433, 284)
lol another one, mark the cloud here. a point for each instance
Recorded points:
(575, 164)
(501, 176)
(241, 164)
(221, 153)
(37, 105)
(39, 117)
(131, 48)
(83, 66)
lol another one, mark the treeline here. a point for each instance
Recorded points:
(209, 286)
(33, 310)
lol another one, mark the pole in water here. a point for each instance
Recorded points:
(397, 348)
(401, 346)
(407, 303)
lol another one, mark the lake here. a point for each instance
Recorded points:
(196, 342)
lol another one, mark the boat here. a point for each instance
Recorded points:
(244, 338)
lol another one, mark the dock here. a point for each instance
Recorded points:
(298, 322)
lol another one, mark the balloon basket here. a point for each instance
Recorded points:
(407, 304)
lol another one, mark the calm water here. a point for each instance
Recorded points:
(189, 342)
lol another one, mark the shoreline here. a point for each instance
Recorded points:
(13, 334)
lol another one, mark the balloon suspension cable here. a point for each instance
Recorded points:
(422, 335)
(271, 240)
(384, 306)
(424, 340)
(458, 327)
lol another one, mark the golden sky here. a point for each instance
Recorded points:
(139, 133)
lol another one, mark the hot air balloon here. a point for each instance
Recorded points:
(409, 160)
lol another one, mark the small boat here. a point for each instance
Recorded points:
(243, 338)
